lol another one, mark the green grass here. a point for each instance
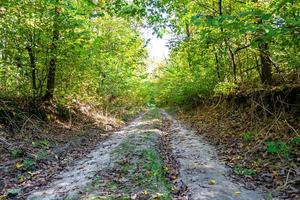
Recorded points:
(152, 114)
(240, 170)
(141, 165)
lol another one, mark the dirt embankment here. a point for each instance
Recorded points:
(35, 146)
(257, 134)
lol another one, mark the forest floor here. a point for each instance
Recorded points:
(262, 149)
(154, 157)
(33, 151)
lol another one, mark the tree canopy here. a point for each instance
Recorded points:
(70, 49)
(94, 49)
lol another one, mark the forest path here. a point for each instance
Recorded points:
(130, 165)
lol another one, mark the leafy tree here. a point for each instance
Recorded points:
(71, 49)
(230, 42)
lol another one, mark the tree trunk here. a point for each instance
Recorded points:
(33, 69)
(257, 66)
(231, 56)
(188, 34)
(218, 66)
(264, 54)
(53, 60)
(220, 8)
(266, 64)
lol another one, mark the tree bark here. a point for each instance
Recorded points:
(233, 63)
(264, 54)
(33, 69)
(220, 8)
(218, 66)
(53, 60)
(230, 52)
(266, 63)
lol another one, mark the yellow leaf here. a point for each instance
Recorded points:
(174, 189)
(19, 165)
(237, 193)
(212, 182)
(21, 179)
(2, 197)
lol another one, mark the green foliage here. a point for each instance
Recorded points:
(296, 140)
(224, 45)
(268, 196)
(41, 155)
(152, 114)
(28, 164)
(250, 135)
(277, 147)
(13, 192)
(40, 143)
(140, 162)
(239, 170)
(17, 153)
(93, 51)
(225, 88)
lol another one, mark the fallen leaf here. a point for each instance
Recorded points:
(21, 179)
(212, 182)
(2, 197)
(13, 192)
(19, 165)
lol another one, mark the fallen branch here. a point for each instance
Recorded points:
(4, 144)
(268, 135)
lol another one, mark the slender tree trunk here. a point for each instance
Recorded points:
(53, 60)
(264, 54)
(220, 8)
(230, 52)
(257, 67)
(233, 63)
(218, 66)
(240, 68)
(33, 69)
(188, 34)
(266, 64)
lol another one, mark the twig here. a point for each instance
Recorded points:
(263, 107)
(266, 137)
(287, 178)
(23, 126)
(297, 133)
(6, 145)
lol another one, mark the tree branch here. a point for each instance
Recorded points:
(241, 48)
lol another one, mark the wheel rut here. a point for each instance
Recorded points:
(129, 165)
(200, 169)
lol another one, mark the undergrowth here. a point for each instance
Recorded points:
(261, 146)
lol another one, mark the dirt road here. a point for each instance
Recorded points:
(130, 165)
